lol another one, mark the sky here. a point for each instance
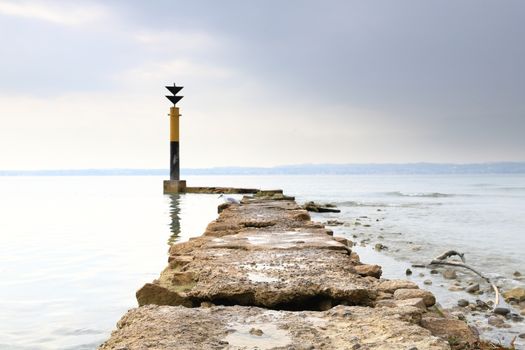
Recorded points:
(265, 82)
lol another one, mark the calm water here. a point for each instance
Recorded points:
(75, 249)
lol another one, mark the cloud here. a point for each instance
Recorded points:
(63, 13)
(185, 70)
(178, 40)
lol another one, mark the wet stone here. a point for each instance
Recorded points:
(473, 288)
(449, 274)
(463, 303)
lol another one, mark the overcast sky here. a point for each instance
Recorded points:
(266, 82)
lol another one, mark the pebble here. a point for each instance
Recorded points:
(421, 274)
(456, 288)
(481, 304)
(463, 302)
(256, 331)
(434, 272)
(496, 321)
(522, 336)
(473, 288)
(427, 282)
(379, 246)
(450, 274)
(501, 311)
(408, 272)
(517, 274)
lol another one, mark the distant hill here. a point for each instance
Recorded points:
(303, 169)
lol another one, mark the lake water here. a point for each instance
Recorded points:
(75, 249)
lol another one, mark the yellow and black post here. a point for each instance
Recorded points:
(174, 144)
(175, 184)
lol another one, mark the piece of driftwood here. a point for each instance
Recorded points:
(500, 307)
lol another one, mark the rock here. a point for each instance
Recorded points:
(501, 310)
(403, 294)
(223, 206)
(427, 282)
(334, 222)
(450, 329)
(517, 294)
(516, 274)
(414, 302)
(408, 272)
(473, 288)
(481, 305)
(312, 206)
(434, 272)
(390, 286)
(379, 246)
(206, 304)
(456, 288)
(354, 257)
(521, 336)
(497, 322)
(384, 295)
(369, 270)
(256, 331)
(386, 303)
(343, 240)
(450, 274)
(463, 302)
(238, 327)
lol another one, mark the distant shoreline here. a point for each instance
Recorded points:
(304, 169)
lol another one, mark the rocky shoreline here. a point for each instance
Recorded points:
(461, 293)
(265, 276)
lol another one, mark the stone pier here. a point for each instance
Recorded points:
(264, 276)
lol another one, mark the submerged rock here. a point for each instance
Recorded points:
(450, 274)
(473, 288)
(312, 206)
(517, 294)
(334, 222)
(463, 303)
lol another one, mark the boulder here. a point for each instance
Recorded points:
(517, 294)
(403, 294)
(368, 270)
(390, 286)
(456, 332)
(414, 302)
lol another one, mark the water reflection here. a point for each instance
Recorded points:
(175, 201)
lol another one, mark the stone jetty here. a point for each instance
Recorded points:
(264, 276)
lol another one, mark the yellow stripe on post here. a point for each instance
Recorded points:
(174, 124)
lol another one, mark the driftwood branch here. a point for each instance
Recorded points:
(450, 253)
(500, 307)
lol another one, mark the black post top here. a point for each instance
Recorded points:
(174, 90)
